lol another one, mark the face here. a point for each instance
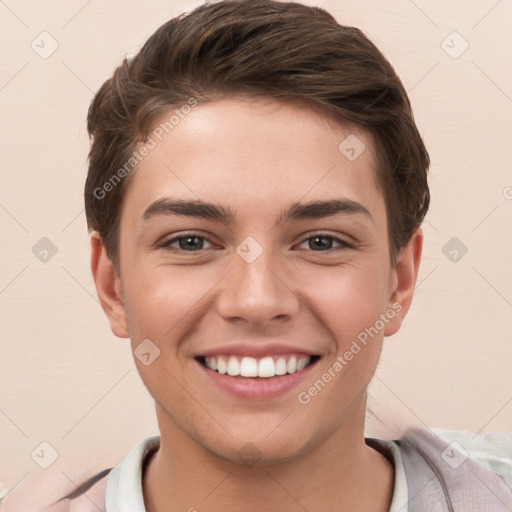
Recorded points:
(250, 242)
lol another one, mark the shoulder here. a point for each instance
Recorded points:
(458, 468)
(492, 450)
(84, 491)
(62, 495)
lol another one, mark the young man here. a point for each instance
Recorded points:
(255, 193)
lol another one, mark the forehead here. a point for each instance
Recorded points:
(256, 156)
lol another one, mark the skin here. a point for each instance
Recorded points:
(256, 158)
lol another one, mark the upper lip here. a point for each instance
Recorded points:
(255, 350)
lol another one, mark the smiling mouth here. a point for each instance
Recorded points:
(250, 367)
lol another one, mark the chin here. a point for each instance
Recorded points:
(260, 449)
(251, 455)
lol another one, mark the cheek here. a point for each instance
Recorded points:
(350, 300)
(161, 301)
(349, 313)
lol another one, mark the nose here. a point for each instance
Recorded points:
(259, 293)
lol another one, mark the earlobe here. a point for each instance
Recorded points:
(108, 286)
(404, 277)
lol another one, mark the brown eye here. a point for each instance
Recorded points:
(323, 243)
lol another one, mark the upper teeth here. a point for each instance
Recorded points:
(252, 367)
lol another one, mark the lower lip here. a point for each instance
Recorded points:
(256, 388)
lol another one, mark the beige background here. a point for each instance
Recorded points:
(65, 379)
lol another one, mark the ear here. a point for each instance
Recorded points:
(108, 287)
(403, 281)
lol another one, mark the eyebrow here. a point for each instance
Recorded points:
(211, 211)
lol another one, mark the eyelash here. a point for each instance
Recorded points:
(167, 244)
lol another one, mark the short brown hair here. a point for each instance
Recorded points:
(264, 48)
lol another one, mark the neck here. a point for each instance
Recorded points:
(335, 475)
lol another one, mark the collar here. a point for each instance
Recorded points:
(124, 482)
